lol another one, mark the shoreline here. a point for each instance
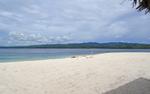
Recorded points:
(90, 74)
(66, 57)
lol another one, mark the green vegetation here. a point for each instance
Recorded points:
(113, 45)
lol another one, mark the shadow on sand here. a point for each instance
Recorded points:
(138, 86)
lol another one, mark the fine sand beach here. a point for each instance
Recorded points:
(93, 74)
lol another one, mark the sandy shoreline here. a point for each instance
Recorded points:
(93, 74)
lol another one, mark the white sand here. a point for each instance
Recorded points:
(93, 74)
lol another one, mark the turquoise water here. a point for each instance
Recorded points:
(10, 55)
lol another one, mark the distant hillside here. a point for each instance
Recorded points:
(112, 45)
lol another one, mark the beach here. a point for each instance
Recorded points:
(89, 74)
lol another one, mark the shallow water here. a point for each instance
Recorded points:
(9, 55)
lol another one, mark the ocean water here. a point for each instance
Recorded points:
(11, 55)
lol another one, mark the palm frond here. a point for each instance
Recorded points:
(142, 5)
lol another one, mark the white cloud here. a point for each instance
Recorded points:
(6, 13)
(25, 38)
(117, 30)
(62, 21)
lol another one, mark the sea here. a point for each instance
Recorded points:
(26, 54)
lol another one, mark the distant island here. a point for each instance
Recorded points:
(89, 45)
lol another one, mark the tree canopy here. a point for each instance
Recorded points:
(142, 5)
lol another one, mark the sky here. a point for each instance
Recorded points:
(32, 22)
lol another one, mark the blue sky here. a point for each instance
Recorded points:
(26, 22)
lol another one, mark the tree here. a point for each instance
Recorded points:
(142, 5)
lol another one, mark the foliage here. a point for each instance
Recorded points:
(112, 45)
(142, 5)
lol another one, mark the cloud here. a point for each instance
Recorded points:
(64, 21)
(25, 38)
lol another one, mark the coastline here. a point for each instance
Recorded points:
(65, 57)
(15, 55)
(89, 74)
